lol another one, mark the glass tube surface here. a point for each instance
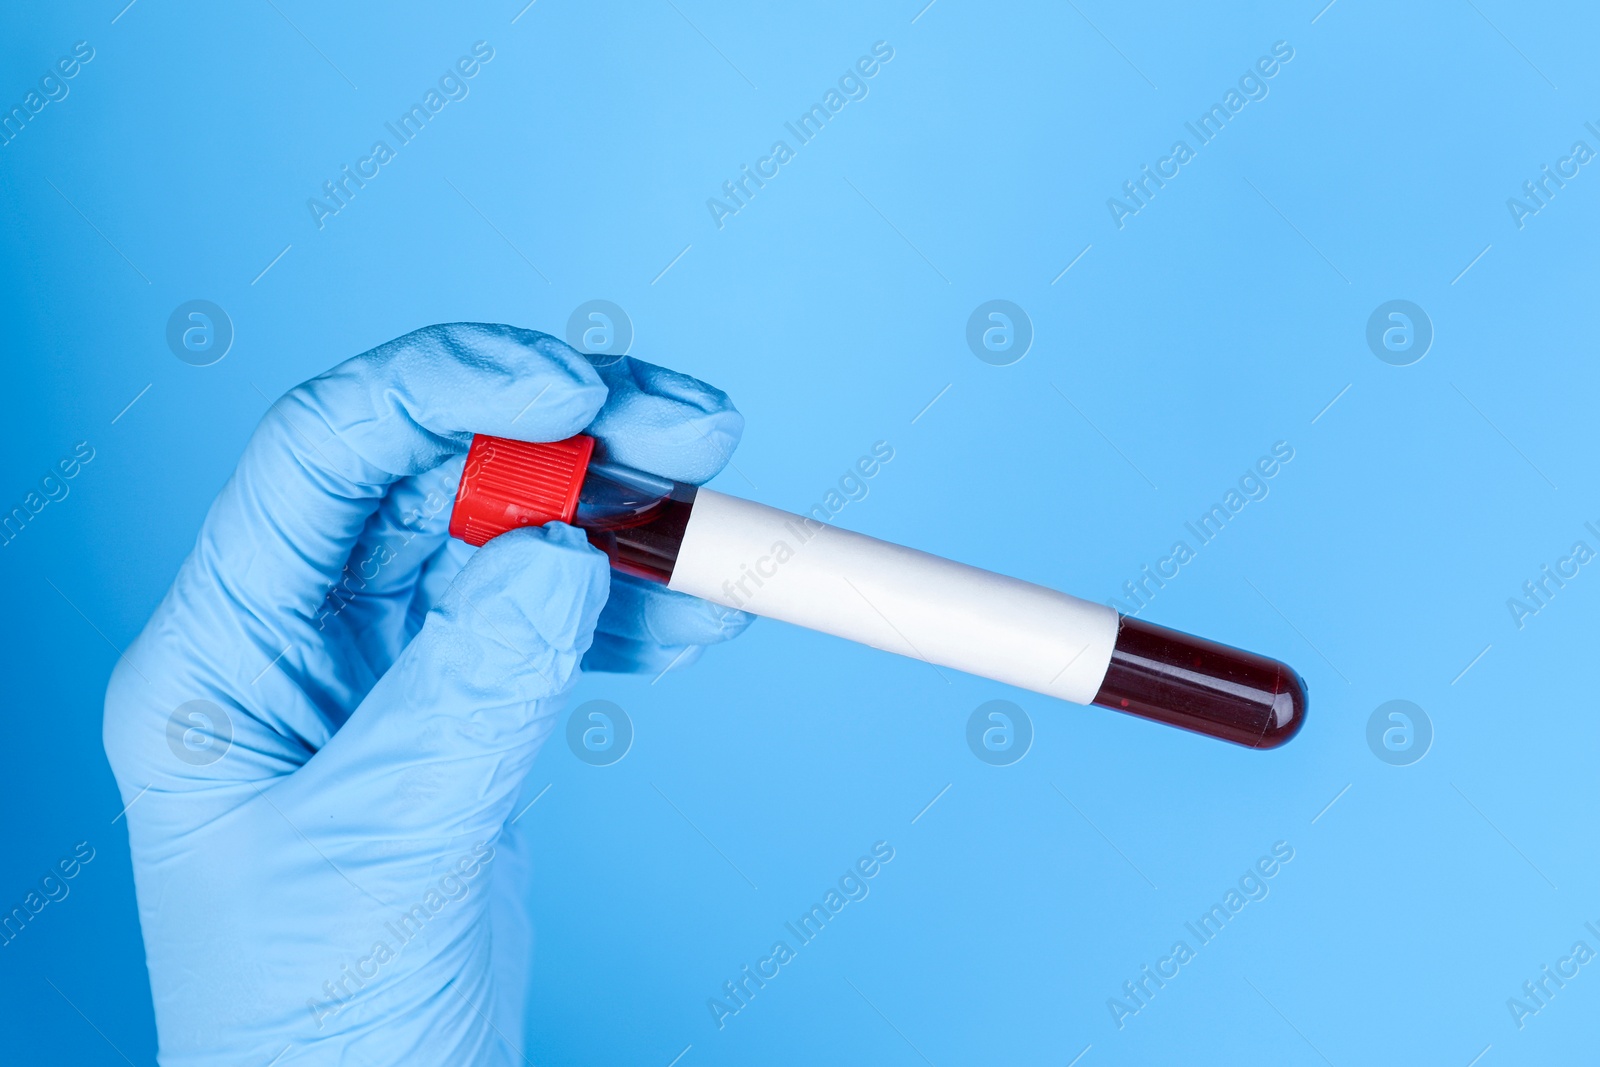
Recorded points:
(1203, 686)
(979, 620)
(636, 519)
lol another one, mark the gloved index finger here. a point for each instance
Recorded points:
(281, 532)
(666, 423)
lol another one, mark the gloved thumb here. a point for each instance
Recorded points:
(438, 749)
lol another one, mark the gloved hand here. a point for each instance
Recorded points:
(323, 729)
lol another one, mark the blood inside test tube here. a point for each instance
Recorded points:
(712, 546)
(636, 519)
(1203, 686)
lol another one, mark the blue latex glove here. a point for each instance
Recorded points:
(324, 727)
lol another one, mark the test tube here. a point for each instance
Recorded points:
(793, 568)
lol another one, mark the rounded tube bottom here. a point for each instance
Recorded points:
(1203, 686)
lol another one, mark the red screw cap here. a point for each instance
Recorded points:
(507, 484)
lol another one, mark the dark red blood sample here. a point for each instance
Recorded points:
(1202, 686)
(649, 547)
(637, 520)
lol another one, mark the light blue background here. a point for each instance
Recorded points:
(1224, 317)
